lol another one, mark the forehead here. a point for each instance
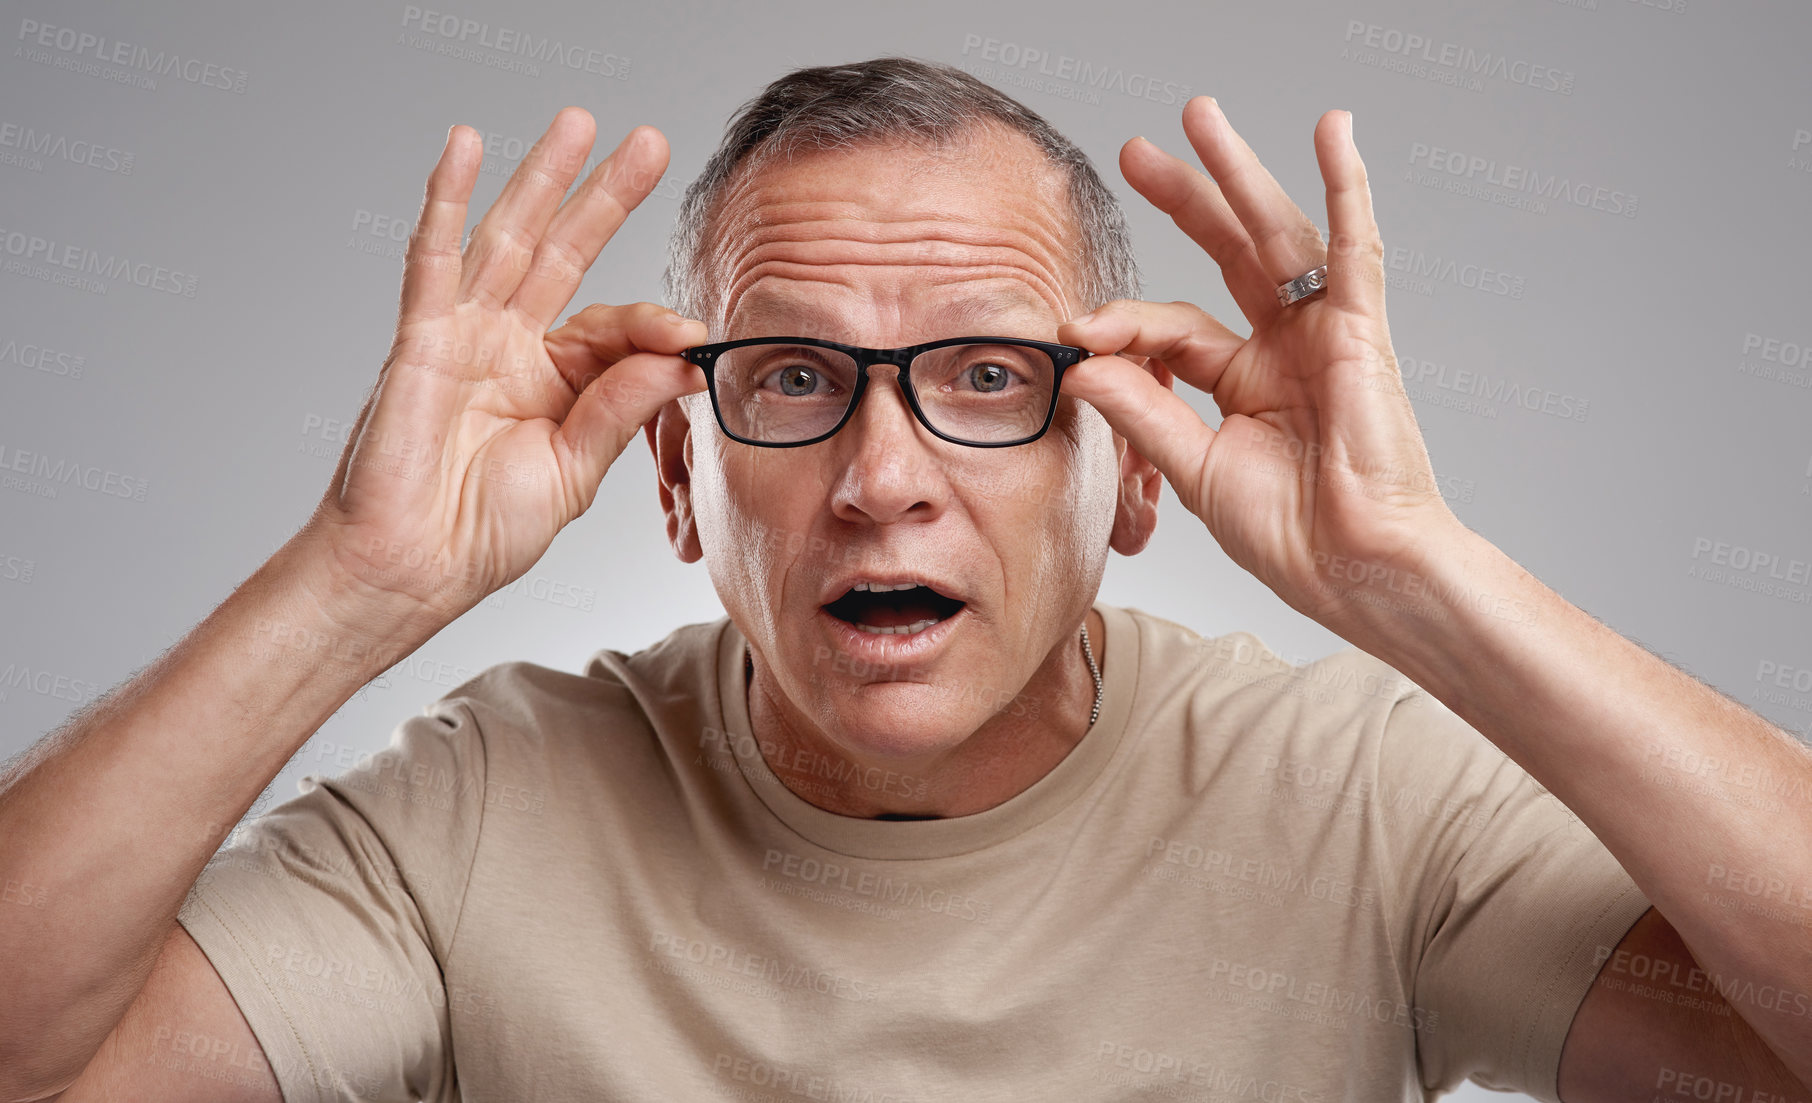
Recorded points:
(958, 235)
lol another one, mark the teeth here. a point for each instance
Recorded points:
(898, 629)
(882, 587)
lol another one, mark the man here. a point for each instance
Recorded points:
(1133, 862)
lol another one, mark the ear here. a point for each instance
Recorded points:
(669, 436)
(1136, 514)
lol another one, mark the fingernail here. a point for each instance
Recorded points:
(1084, 320)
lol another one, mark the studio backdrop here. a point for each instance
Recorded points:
(1597, 216)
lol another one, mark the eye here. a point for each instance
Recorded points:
(988, 377)
(797, 379)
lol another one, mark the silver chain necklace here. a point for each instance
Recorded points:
(1095, 671)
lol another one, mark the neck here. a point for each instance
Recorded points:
(1005, 756)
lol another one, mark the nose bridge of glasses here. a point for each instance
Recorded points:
(878, 371)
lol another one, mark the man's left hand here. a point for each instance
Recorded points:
(1317, 477)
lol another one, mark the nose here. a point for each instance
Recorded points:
(888, 469)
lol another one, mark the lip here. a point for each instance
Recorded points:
(919, 648)
(841, 586)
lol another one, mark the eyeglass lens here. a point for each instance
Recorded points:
(987, 393)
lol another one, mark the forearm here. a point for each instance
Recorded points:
(1620, 736)
(108, 821)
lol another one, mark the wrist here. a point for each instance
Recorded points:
(1431, 613)
(315, 614)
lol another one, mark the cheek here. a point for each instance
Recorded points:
(753, 507)
(1065, 485)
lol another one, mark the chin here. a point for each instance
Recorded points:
(900, 721)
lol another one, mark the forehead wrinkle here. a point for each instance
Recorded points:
(934, 253)
(928, 249)
(915, 240)
(1025, 291)
(814, 219)
(875, 200)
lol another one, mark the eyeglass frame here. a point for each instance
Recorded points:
(1062, 358)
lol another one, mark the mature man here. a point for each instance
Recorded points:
(1133, 862)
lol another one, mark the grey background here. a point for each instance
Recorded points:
(222, 406)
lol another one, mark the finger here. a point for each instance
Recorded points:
(612, 410)
(504, 240)
(587, 220)
(1355, 248)
(1196, 205)
(431, 263)
(1287, 240)
(1153, 418)
(1189, 340)
(599, 336)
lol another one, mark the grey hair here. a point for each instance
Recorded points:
(900, 99)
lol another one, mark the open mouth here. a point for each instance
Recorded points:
(887, 611)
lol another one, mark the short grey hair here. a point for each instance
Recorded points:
(900, 99)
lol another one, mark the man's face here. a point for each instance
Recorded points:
(885, 246)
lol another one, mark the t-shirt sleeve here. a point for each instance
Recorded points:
(328, 916)
(1513, 909)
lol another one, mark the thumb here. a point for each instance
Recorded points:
(612, 409)
(1153, 418)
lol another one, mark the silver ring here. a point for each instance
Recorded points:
(1303, 286)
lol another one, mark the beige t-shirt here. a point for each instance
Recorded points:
(1250, 880)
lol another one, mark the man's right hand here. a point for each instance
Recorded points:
(485, 435)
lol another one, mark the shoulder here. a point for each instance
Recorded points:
(1238, 669)
(1345, 711)
(617, 699)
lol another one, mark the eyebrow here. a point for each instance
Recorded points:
(969, 312)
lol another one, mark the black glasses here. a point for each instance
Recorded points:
(985, 392)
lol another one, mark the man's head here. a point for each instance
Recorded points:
(885, 204)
